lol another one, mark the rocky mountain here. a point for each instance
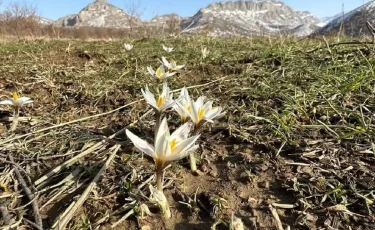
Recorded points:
(352, 23)
(166, 18)
(44, 21)
(267, 17)
(326, 20)
(99, 14)
(225, 19)
(167, 21)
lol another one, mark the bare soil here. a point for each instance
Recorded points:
(298, 135)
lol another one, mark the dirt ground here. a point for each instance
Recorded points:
(297, 139)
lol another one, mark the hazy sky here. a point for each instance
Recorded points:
(54, 9)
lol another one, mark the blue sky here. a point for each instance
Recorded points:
(54, 9)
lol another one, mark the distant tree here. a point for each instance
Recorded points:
(135, 10)
(20, 19)
(173, 24)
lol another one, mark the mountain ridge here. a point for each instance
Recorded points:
(352, 23)
(225, 19)
(250, 17)
(99, 14)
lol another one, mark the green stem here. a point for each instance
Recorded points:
(15, 119)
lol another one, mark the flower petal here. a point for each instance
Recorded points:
(194, 112)
(7, 102)
(161, 146)
(24, 100)
(163, 128)
(165, 62)
(182, 154)
(179, 67)
(200, 101)
(182, 132)
(149, 97)
(181, 110)
(168, 74)
(150, 70)
(220, 115)
(140, 144)
(183, 145)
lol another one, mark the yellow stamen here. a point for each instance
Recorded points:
(213, 108)
(15, 96)
(201, 113)
(172, 144)
(159, 73)
(160, 101)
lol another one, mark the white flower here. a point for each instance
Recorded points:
(183, 105)
(128, 47)
(171, 65)
(16, 101)
(168, 147)
(160, 73)
(163, 102)
(168, 49)
(205, 52)
(201, 111)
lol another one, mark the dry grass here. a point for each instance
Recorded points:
(299, 132)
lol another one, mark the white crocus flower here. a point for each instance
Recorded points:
(128, 47)
(167, 147)
(163, 101)
(205, 52)
(16, 101)
(200, 113)
(204, 112)
(183, 105)
(172, 66)
(168, 49)
(160, 73)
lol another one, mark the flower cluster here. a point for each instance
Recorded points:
(199, 111)
(181, 143)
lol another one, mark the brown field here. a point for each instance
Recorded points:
(297, 138)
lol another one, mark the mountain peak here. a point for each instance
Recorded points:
(99, 13)
(251, 18)
(226, 18)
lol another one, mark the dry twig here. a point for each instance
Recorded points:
(29, 193)
(61, 223)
